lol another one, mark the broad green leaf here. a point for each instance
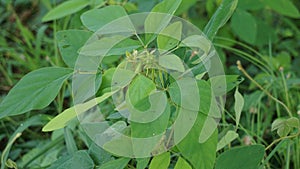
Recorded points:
(108, 46)
(154, 129)
(224, 83)
(98, 154)
(228, 138)
(250, 4)
(159, 18)
(97, 18)
(64, 9)
(185, 92)
(284, 126)
(247, 157)
(141, 163)
(36, 90)
(265, 33)
(220, 17)
(69, 43)
(197, 41)
(139, 89)
(161, 161)
(169, 37)
(80, 159)
(182, 164)
(284, 7)
(167, 6)
(208, 129)
(63, 118)
(171, 62)
(115, 164)
(98, 3)
(37, 120)
(248, 29)
(238, 106)
(187, 98)
(144, 103)
(293, 122)
(184, 6)
(200, 155)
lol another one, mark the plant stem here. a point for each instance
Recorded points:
(282, 138)
(240, 67)
(285, 88)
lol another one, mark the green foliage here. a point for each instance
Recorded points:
(248, 29)
(286, 8)
(285, 126)
(220, 17)
(238, 106)
(69, 45)
(117, 164)
(80, 159)
(36, 90)
(200, 155)
(65, 9)
(247, 157)
(181, 163)
(161, 161)
(94, 21)
(54, 35)
(62, 119)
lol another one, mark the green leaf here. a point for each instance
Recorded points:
(161, 161)
(169, 37)
(35, 90)
(220, 17)
(98, 154)
(115, 164)
(167, 6)
(37, 120)
(171, 62)
(108, 46)
(64, 9)
(97, 18)
(200, 155)
(238, 106)
(265, 33)
(70, 141)
(224, 83)
(154, 129)
(156, 21)
(80, 159)
(284, 7)
(182, 164)
(247, 157)
(248, 29)
(184, 6)
(183, 93)
(228, 138)
(197, 41)
(284, 126)
(250, 4)
(69, 43)
(63, 118)
(141, 163)
(139, 89)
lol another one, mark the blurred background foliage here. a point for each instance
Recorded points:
(263, 34)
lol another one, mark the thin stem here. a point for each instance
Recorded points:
(248, 57)
(281, 138)
(285, 88)
(139, 38)
(240, 67)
